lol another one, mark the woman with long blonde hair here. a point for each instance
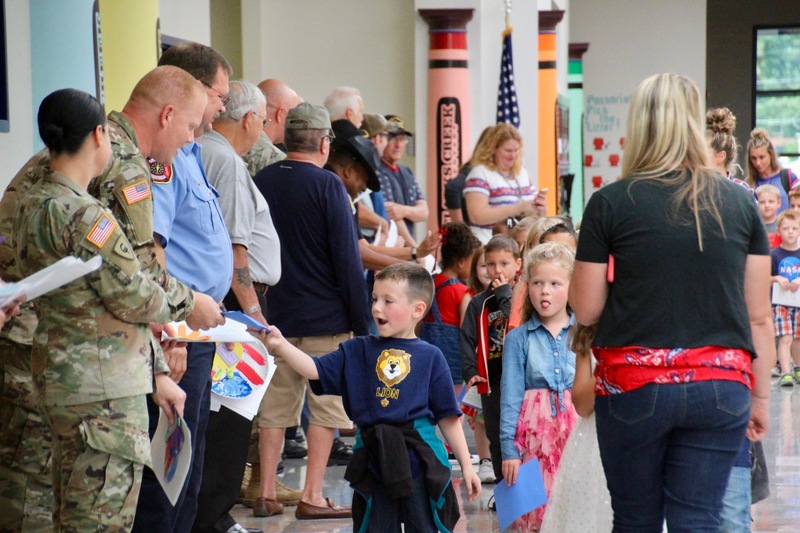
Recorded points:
(677, 386)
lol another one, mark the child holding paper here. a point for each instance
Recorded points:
(397, 389)
(537, 414)
(786, 273)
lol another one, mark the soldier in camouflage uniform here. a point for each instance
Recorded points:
(25, 492)
(26, 495)
(92, 358)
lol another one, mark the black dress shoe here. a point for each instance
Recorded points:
(340, 453)
(293, 449)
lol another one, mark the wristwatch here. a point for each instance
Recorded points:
(413, 253)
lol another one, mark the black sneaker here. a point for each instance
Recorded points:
(293, 449)
(340, 453)
(491, 505)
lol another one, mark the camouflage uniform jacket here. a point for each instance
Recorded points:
(19, 328)
(124, 188)
(262, 154)
(93, 338)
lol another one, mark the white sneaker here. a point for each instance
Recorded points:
(486, 471)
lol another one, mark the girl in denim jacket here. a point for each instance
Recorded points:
(537, 414)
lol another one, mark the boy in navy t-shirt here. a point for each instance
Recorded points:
(396, 388)
(786, 273)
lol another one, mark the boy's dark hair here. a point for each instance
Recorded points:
(418, 280)
(502, 243)
(559, 228)
(458, 242)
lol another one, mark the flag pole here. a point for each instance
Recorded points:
(508, 29)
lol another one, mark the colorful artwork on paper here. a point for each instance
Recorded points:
(238, 369)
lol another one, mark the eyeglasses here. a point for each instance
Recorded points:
(399, 139)
(264, 120)
(224, 97)
(330, 136)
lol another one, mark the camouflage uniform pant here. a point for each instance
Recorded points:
(99, 450)
(26, 494)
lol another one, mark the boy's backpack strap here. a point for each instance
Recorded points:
(785, 179)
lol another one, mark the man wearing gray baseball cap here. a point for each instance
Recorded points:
(320, 301)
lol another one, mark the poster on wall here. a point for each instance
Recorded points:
(604, 140)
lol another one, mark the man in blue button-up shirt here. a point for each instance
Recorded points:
(193, 244)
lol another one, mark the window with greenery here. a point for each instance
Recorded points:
(777, 89)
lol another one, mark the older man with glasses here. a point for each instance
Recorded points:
(256, 267)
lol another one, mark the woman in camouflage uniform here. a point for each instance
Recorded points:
(90, 361)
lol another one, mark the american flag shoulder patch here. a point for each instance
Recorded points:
(101, 230)
(136, 192)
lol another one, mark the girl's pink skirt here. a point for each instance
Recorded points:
(541, 435)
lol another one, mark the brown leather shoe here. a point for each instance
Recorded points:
(266, 507)
(306, 511)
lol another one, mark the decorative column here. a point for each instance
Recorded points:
(548, 98)
(575, 92)
(448, 104)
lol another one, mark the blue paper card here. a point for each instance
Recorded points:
(238, 316)
(522, 497)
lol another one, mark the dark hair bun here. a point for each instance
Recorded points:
(53, 136)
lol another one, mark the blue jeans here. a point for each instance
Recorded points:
(414, 511)
(735, 517)
(668, 450)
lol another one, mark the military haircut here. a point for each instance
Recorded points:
(419, 283)
(166, 85)
(303, 141)
(199, 60)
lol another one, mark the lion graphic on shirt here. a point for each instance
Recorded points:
(393, 366)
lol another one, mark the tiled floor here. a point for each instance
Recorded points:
(779, 513)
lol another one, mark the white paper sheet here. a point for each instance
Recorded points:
(782, 297)
(171, 477)
(391, 236)
(59, 273)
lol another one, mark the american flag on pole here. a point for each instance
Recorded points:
(507, 107)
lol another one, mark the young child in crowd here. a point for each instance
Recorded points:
(581, 482)
(561, 233)
(442, 325)
(483, 333)
(396, 388)
(785, 272)
(769, 200)
(538, 369)
(479, 281)
(549, 229)
(522, 230)
(794, 199)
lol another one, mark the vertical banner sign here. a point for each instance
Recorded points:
(448, 104)
(448, 144)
